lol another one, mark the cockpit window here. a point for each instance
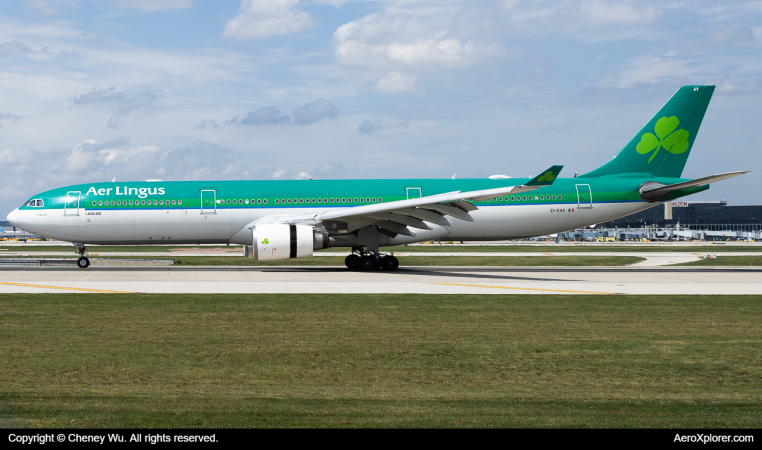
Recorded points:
(35, 203)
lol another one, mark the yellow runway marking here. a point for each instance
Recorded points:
(548, 254)
(68, 288)
(524, 289)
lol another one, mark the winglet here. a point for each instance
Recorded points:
(546, 178)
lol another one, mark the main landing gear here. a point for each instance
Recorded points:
(371, 261)
(83, 262)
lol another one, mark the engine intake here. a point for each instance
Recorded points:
(277, 241)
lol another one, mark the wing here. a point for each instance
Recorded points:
(395, 217)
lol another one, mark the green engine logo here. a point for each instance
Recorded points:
(674, 142)
(265, 241)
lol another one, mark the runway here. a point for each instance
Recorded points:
(412, 280)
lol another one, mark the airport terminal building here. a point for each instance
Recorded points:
(701, 215)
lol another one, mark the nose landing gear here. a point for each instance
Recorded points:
(371, 261)
(83, 262)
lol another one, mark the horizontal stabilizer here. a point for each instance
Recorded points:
(653, 191)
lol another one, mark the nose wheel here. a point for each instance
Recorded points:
(83, 262)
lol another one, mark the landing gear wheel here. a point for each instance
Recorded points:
(83, 262)
(368, 262)
(352, 262)
(389, 263)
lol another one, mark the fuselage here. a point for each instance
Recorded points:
(216, 212)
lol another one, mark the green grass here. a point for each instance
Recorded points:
(95, 360)
(410, 261)
(727, 261)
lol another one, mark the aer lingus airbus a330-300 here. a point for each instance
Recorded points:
(277, 220)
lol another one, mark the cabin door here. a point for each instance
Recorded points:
(208, 201)
(71, 203)
(584, 196)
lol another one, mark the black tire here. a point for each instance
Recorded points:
(352, 262)
(367, 262)
(389, 263)
(83, 262)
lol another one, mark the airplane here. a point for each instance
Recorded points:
(284, 219)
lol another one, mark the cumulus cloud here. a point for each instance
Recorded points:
(14, 48)
(303, 176)
(262, 18)
(369, 126)
(394, 82)
(375, 40)
(278, 173)
(99, 95)
(152, 5)
(206, 123)
(262, 116)
(141, 103)
(312, 112)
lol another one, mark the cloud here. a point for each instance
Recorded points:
(736, 35)
(369, 126)
(376, 41)
(99, 95)
(9, 116)
(394, 82)
(152, 5)
(206, 123)
(262, 116)
(312, 112)
(143, 102)
(49, 7)
(14, 47)
(278, 174)
(262, 18)
(303, 176)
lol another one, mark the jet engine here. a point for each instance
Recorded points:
(276, 241)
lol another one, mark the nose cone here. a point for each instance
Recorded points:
(13, 217)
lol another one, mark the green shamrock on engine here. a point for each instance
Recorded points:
(265, 242)
(675, 142)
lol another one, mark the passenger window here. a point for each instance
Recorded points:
(240, 202)
(154, 202)
(536, 198)
(277, 201)
(313, 200)
(112, 203)
(179, 202)
(524, 198)
(174, 202)
(380, 200)
(355, 200)
(234, 202)
(264, 201)
(258, 201)
(301, 200)
(320, 200)
(325, 200)
(247, 201)
(331, 200)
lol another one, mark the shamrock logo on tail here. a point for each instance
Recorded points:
(265, 242)
(675, 142)
(547, 176)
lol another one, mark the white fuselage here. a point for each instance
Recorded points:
(227, 226)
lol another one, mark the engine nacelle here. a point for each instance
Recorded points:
(277, 241)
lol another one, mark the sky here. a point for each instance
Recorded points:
(91, 90)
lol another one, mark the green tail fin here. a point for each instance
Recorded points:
(662, 147)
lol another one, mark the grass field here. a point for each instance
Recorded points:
(727, 261)
(90, 360)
